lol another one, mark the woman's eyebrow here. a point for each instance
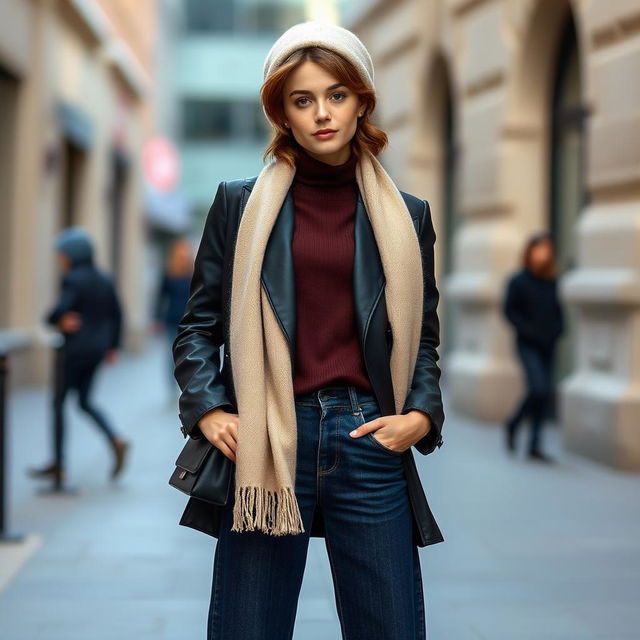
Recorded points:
(306, 91)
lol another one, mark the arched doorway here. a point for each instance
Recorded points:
(434, 162)
(450, 163)
(545, 127)
(9, 89)
(567, 193)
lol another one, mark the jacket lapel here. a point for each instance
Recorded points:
(368, 275)
(278, 269)
(278, 272)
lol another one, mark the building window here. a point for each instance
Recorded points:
(209, 15)
(227, 16)
(206, 119)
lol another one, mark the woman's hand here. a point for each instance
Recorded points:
(70, 322)
(221, 430)
(399, 432)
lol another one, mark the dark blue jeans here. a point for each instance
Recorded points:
(537, 364)
(360, 487)
(79, 374)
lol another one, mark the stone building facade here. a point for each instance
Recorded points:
(75, 108)
(512, 116)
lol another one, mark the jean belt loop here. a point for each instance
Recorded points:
(353, 396)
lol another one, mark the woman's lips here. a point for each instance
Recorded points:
(324, 136)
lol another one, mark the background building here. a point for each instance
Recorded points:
(74, 111)
(510, 117)
(221, 125)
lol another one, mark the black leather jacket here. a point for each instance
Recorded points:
(207, 383)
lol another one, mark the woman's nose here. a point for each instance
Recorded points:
(323, 112)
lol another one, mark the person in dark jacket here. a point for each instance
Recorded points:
(172, 294)
(88, 314)
(532, 307)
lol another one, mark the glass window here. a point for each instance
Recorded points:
(209, 120)
(209, 15)
(205, 119)
(227, 16)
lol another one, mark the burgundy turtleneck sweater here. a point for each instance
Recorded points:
(328, 351)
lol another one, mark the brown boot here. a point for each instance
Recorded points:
(120, 448)
(50, 471)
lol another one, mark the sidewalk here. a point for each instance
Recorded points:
(529, 552)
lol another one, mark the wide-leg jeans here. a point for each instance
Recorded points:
(360, 488)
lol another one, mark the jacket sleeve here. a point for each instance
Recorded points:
(196, 347)
(425, 394)
(67, 300)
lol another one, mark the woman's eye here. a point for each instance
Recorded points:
(338, 93)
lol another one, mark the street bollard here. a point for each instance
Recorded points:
(8, 342)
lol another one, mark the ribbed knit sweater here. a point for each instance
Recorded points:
(328, 351)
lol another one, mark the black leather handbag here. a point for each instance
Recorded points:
(203, 471)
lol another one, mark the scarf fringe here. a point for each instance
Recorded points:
(273, 512)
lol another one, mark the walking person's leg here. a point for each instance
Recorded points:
(369, 525)
(86, 371)
(543, 391)
(63, 380)
(256, 576)
(512, 423)
(529, 404)
(536, 368)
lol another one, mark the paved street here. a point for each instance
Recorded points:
(530, 552)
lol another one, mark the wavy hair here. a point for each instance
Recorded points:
(283, 145)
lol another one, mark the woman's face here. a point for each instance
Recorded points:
(315, 100)
(181, 258)
(541, 255)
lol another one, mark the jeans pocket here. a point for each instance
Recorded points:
(383, 446)
(372, 413)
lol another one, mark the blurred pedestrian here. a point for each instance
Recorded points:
(88, 313)
(532, 307)
(172, 294)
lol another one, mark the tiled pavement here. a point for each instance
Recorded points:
(530, 552)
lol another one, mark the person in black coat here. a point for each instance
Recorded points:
(172, 295)
(88, 314)
(532, 307)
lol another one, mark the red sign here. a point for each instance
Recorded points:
(161, 163)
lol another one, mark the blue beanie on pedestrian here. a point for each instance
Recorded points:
(75, 243)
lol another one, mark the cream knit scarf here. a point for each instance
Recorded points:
(265, 467)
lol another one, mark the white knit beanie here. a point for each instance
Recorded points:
(322, 34)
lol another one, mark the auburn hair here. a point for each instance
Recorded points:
(283, 145)
(534, 240)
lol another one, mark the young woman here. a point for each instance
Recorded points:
(532, 307)
(317, 275)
